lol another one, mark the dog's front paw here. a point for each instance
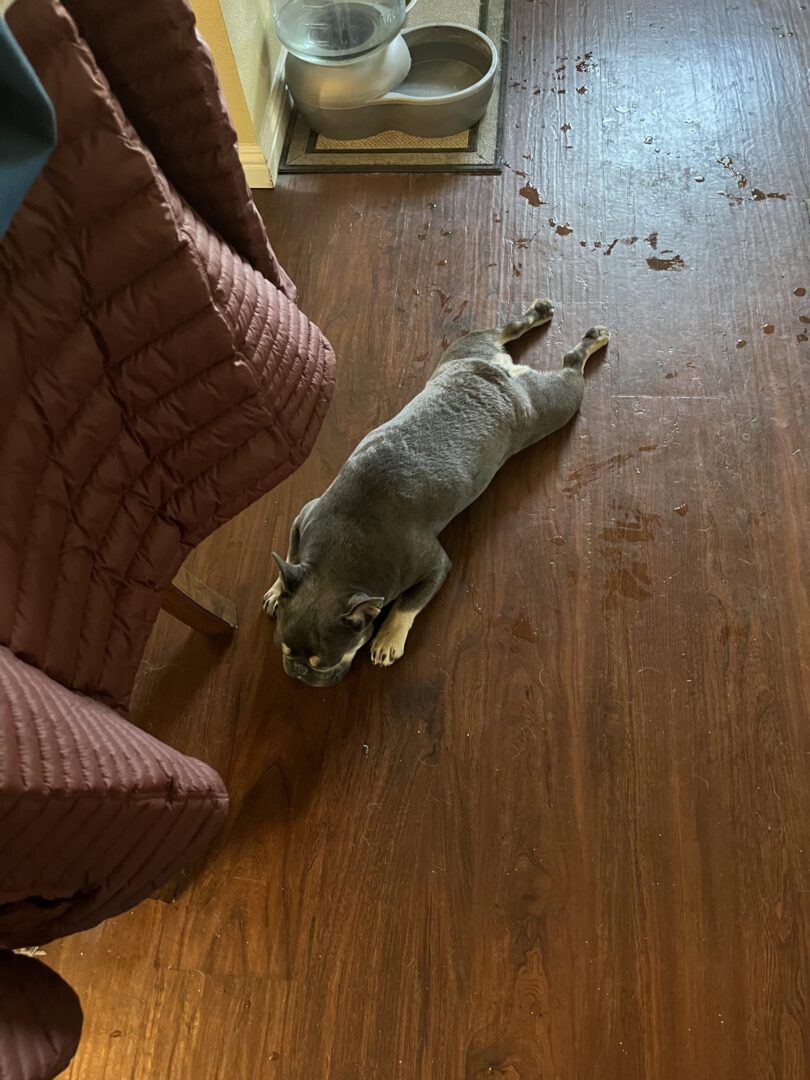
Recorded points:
(271, 599)
(389, 644)
(386, 652)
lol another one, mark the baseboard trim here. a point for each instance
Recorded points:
(256, 169)
(273, 128)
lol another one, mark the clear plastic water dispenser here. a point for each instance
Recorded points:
(332, 30)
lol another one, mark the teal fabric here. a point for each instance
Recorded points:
(27, 126)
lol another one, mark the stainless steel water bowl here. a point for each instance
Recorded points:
(341, 84)
(446, 91)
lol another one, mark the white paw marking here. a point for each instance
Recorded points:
(389, 644)
(271, 599)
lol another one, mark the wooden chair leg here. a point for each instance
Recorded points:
(194, 603)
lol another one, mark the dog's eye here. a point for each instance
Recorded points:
(286, 650)
(314, 661)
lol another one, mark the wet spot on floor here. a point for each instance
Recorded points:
(671, 375)
(634, 527)
(523, 629)
(800, 291)
(580, 90)
(742, 343)
(683, 509)
(768, 328)
(588, 473)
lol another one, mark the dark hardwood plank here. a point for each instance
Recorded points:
(567, 836)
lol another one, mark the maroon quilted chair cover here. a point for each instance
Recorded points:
(155, 378)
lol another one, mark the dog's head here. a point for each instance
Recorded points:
(319, 626)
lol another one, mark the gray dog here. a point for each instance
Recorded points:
(372, 538)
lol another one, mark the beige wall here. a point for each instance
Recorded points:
(212, 27)
(247, 53)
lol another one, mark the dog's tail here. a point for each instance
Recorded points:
(596, 338)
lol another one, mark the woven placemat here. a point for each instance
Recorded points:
(476, 151)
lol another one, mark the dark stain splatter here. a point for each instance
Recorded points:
(560, 230)
(735, 200)
(671, 375)
(583, 62)
(683, 509)
(652, 240)
(742, 343)
(674, 262)
(445, 299)
(610, 247)
(768, 328)
(580, 90)
(727, 163)
(800, 291)
(558, 540)
(801, 338)
(583, 243)
(531, 195)
(446, 232)
(522, 242)
(758, 195)
(630, 240)
(648, 140)
(442, 262)
(804, 318)
(445, 343)
(565, 127)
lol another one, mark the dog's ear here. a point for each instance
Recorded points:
(362, 610)
(292, 574)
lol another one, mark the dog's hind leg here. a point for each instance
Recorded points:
(594, 339)
(491, 344)
(555, 396)
(389, 644)
(540, 312)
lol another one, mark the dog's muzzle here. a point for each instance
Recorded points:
(311, 677)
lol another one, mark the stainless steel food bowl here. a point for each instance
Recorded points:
(447, 89)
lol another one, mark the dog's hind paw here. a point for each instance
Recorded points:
(271, 599)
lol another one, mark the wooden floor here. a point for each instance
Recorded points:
(568, 836)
